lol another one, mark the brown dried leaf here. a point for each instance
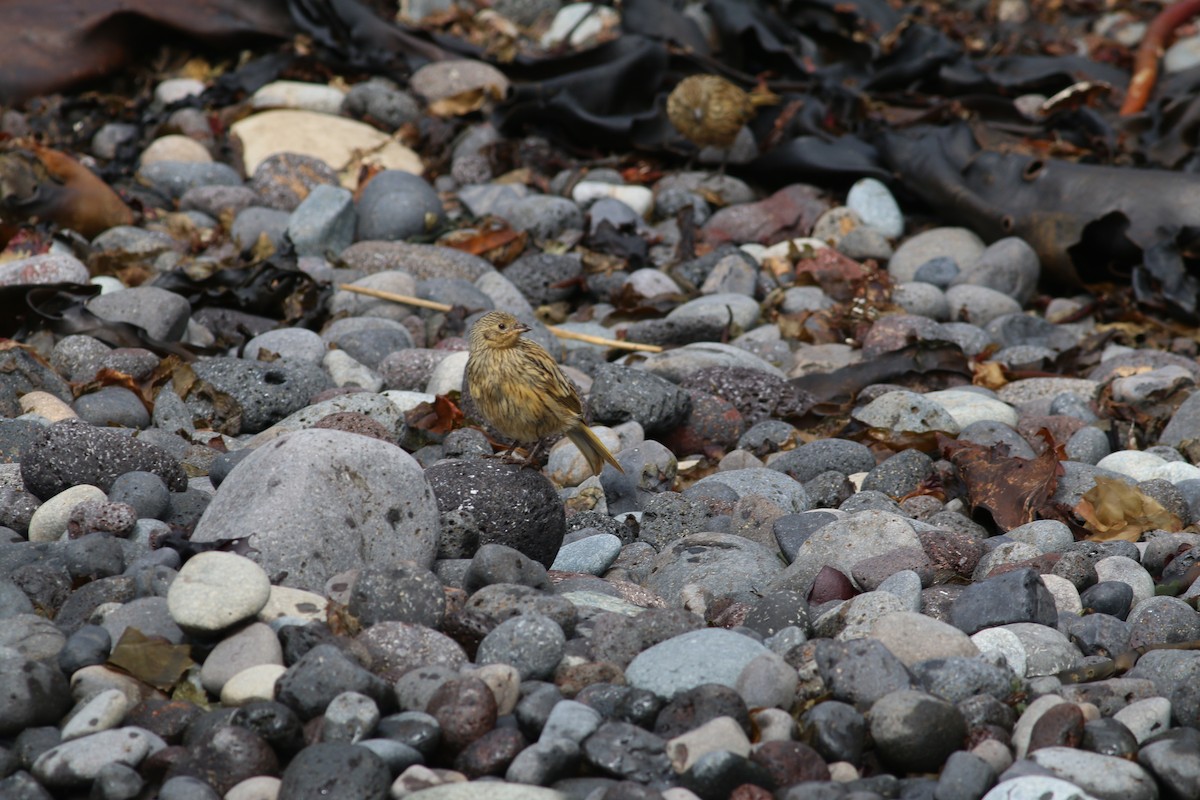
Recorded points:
(440, 416)
(184, 378)
(1012, 490)
(1113, 509)
(151, 659)
(341, 621)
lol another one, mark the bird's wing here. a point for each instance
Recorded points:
(556, 384)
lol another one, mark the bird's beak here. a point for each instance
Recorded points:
(522, 328)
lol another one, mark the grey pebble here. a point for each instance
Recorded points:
(544, 216)
(397, 205)
(163, 315)
(381, 100)
(254, 222)
(112, 406)
(323, 222)
(532, 643)
(174, 178)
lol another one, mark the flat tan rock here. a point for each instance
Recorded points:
(343, 144)
(46, 405)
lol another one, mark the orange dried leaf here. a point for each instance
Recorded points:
(478, 242)
(1113, 509)
(440, 416)
(493, 240)
(989, 374)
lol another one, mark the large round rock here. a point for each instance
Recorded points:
(318, 502)
(490, 502)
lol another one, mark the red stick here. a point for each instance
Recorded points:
(1145, 64)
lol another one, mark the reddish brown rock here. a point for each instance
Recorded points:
(465, 709)
(787, 214)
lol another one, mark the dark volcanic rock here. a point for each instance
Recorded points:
(72, 452)
(490, 502)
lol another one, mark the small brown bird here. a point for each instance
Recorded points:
(710, 111)
(522, 393)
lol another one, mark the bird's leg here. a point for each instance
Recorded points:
(507, 454)
(532, 458)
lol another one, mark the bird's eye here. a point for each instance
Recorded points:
(503, 327)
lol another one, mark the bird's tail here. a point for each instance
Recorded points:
(592, 448)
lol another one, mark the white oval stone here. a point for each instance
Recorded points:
(345, 370)
(316, 97)
(579, 21)
(1144, 718)
(1066, 596)
(287, 601)
(216, 590)
(252, 684)
(1133, 463)
(448, 374)
(639, 198)
(968, 407)
(876, 207)
(104, 711)
(406, 400)
(1177, 471)
(1002, 647)
(505, 683)
(175, 89)
(260, 787)
(79, 761)
(49, 521)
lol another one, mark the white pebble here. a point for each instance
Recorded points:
(1132, 463)
(405, 400)
(345, 370)
(49, 521)
(252, 685)
(968, 407)
(448, 374)
(1003, 647)
(876, 207)
(216, 590)
(639, 198)
(260, 787)
(104, 711)
(300, 95)
(570, 21)
(1177, 471)
(175, 89)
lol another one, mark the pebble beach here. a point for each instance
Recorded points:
(900, 516)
